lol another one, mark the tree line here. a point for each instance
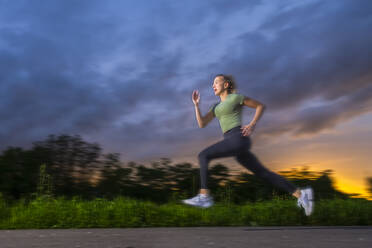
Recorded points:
(68, 166)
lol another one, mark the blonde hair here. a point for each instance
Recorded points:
(230, 80)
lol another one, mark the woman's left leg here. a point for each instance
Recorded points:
(251, 162)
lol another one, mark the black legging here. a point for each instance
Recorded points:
(237, 145)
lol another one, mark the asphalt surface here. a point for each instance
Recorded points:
(192, 237)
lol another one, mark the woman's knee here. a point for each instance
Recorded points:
(203, 155)
(250, 161)
(246, 158)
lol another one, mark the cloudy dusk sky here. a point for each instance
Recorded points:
(121, 74)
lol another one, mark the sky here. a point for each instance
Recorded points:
(121, 74)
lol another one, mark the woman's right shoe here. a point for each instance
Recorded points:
(200, 200)
(306, 200)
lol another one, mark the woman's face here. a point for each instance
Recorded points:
(218, 86)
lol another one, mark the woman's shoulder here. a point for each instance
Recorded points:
(238, 97)
(236, 94)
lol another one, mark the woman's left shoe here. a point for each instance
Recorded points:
(200, 200)
(306, 200)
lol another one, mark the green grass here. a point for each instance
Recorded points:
(127, 212)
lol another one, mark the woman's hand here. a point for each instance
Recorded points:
(195, 97)
(248, 129)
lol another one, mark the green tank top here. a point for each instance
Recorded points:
(229, 112)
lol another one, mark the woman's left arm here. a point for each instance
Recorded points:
(260, 107)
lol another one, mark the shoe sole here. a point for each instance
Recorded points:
(195, 205)
(309, 192)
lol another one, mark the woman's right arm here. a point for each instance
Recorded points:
(202, 120)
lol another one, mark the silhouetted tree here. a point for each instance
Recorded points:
(324, 187)
(114, 180)
(70, 160)
(16, 178)
(369, 185)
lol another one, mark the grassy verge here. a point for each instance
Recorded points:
(126, 212)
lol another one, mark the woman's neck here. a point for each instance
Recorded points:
(223, 96)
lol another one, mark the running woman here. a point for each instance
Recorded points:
(237, 143)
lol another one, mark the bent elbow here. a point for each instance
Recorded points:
(202, 123)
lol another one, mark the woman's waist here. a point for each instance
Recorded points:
(232, 131)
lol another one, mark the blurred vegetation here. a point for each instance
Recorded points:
(66, 166)
(45, 212)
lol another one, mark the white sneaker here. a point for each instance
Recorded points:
(200, 200)
(306, 200)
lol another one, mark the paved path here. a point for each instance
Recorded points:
(191, 237)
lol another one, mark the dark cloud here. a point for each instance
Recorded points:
(121, 73)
